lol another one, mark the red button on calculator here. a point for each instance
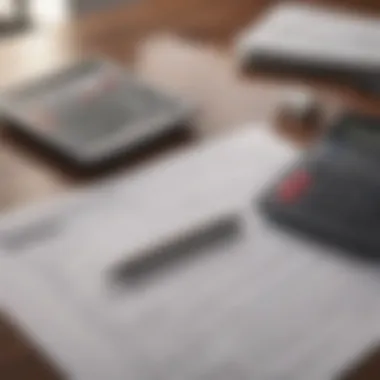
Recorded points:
(293, 186)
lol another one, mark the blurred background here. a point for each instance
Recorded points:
(182, 46)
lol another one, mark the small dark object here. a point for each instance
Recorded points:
(300, 109)
(175, 251)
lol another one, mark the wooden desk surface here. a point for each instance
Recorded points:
(182, 45)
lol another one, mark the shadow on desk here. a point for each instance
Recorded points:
(150, 149)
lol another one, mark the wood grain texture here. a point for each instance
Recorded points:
(184, 46)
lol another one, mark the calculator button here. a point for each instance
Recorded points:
(294, 186)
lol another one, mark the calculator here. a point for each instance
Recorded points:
(333, 193)
(92, 111)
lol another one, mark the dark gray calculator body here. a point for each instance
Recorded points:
(333, 192)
